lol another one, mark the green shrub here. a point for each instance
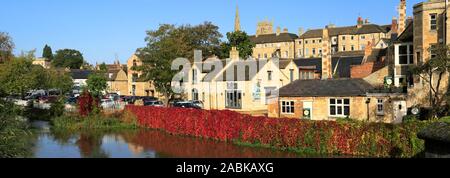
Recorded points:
(57, 108)
(14, 132)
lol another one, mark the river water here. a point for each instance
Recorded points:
(141, 143)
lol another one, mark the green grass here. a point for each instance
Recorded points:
(96, 122)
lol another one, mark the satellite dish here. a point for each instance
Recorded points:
(415, 111)
(389, 81)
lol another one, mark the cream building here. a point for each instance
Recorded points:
(44, 62)
(137, 86)
(350, 38)
(244, 86)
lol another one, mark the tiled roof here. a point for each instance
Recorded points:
(342, 65)
(273, 38)
(80, 74)
(407, 35)
(349, 30)
(326, 88)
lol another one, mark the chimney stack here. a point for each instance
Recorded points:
(278, 31)
(285, 30)
(369, 47)
(326, 55)
(360, 22)
(401, 16)
(234, 54)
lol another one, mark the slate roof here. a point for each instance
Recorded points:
(348, 30)
(80, 74)
(273, 38)
(310, 63)
(341, 64)
(407, 35)
(283, 63)
(326, 88)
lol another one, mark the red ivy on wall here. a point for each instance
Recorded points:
(324, 137)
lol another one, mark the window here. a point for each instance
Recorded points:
(380, 107)
(352, 47)
(288, 107)
(306, 75)
(233, 99)
(343, 48)
(363, 37)
(363, 47)
(286, 54)
(306, 41)
(314, 51)
(334, 40)
(194, 76)
(352, 37)
(320, 41)
(134, 63)
(299, 53)
(306, 52)
(269, 75)
(405, 54)
(265, 55)
(194, 94)
(433, 21)
(313, 41)
(339, 107)
(134, 78)
(259, 56)
(320, 52)
(299, 42)
(433, 51)
(291, 74)
(343, 37)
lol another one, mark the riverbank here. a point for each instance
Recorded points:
(301, 136)
(15, 132)
(104, 122)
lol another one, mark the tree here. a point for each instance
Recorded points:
(432, 73)
(47, 52)
(103, 67)
(6, 47)
(241, 41)
(97, 84)
(169, 42)
(70, 58)
(18, 76)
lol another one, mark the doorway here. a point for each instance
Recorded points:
(400, 111)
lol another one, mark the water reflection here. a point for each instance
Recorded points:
(139, 144)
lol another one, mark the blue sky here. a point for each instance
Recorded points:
(100, 29)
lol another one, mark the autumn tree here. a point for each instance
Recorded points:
(169, 42)
(433, 74)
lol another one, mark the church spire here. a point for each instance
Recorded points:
(237, 21)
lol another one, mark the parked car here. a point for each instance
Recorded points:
(186, 104)
(71, 100)
(48, 99)
(148, 98)
(35, 94)
(197, 103)
(154, 103)
(107, 103)
(113, 96)
(172, 102)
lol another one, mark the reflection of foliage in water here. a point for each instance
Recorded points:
(187, 147)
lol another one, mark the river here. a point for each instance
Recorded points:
(141, 143)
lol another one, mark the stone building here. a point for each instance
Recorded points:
(137, 85)
(350, 38)
(270, 44)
